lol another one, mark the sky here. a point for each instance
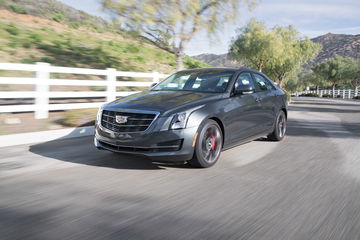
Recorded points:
(311, 18)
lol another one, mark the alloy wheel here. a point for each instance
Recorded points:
(211, 144)
(282, 125)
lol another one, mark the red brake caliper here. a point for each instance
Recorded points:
(212, 142)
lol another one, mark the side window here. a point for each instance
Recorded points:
(244, 79)
(262, 83)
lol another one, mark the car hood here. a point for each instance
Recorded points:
(162, 101)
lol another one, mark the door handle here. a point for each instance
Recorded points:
(258, 99)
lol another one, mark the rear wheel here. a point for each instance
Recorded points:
(208, 145)
(280, 128)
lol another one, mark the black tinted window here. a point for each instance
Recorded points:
(215, 81)
(262, 83)
(244, 79)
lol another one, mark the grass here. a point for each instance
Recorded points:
(78, 48)
(18, 9)
(27, 39)
(79, 117)
(56, 11)
(12, 30)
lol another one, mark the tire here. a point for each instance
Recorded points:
(280, 128)
(208, 145)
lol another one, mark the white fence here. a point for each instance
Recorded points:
(343, 93)
(43, 81)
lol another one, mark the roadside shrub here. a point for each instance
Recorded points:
(12, 44)
(326, 96)
(12, 30)
(309, 95)
(357, 97)
(131, 48)
(12, 52)
(74, 25)
(26, 45)
(172, 64)
(35, 37)
(57, 18)
(139, 59)
(18, 9)
(28, 60)
(96, 28)
(47, 60)
(79, 117)
(339, 96)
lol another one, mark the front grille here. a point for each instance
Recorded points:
(136, 122)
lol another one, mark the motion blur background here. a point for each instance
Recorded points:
(161, 36)
(61, 60)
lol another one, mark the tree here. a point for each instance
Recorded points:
(316, 80)
(352, 72)
(332, 70)
(279, 52)
(310, 79)
(295, 84)
(254, 45)
(292, 54)
(171, 24)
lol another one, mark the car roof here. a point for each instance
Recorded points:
(221, 68)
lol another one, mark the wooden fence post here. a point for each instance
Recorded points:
(156, 77)
(111, 84)
(42, 90)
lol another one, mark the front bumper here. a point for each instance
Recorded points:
(156, 143)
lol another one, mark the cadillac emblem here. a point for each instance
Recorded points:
(121, 119)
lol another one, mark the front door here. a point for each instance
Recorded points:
(242, 111)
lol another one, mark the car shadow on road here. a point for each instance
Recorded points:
(81, 150)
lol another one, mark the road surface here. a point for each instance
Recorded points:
(306, 187)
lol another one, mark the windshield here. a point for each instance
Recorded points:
(212, 81)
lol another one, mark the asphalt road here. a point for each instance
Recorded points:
(306, 187)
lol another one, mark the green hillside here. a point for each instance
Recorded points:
(26, 38)
(57, 11)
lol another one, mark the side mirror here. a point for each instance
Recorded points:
(244, 90)
(153, 85)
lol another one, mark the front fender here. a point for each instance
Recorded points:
(198, 117)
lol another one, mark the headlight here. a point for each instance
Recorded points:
(98, 117)
(179, 121)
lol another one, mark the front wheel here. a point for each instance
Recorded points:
(208, 145)
(280, 128)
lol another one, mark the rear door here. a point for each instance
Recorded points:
(242, 111)
(266, 100)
